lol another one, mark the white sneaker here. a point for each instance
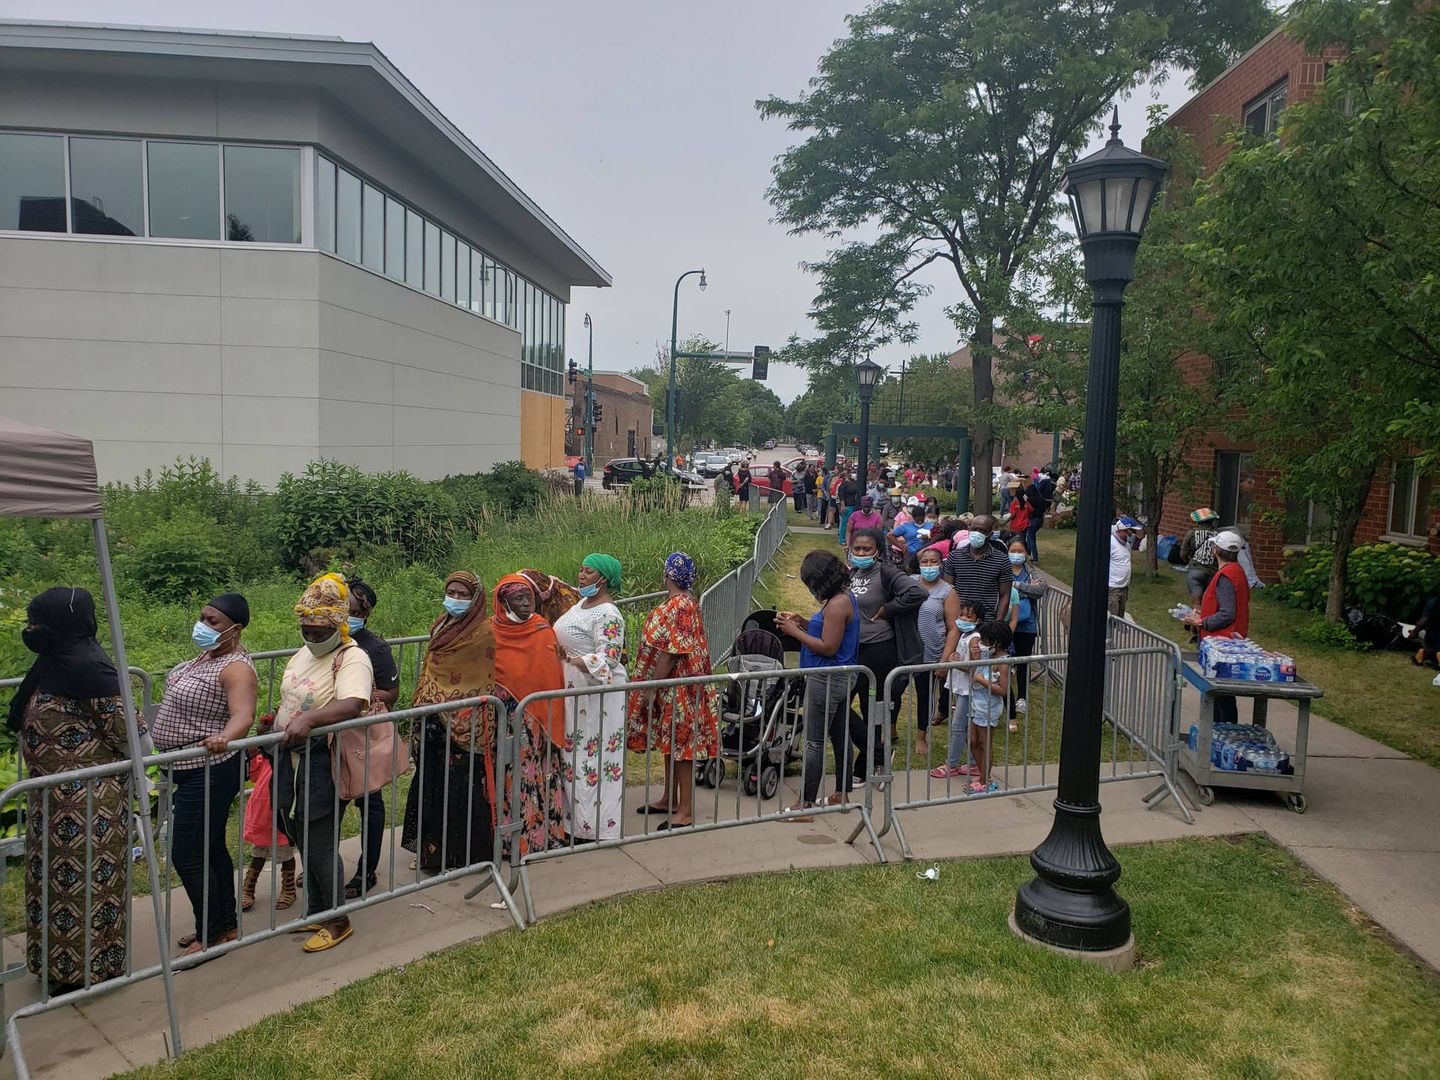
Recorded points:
(1020, 705)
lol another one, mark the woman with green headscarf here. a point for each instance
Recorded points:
(592, 640)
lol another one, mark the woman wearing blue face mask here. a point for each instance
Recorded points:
(889, 601)
(1027, 589)
(209, 701)
(931, 696)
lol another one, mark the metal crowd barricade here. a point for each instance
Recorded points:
(480, 854)
(1140, 698)
(592, 753)
(147, 696)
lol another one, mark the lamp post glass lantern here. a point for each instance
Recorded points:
(1071, 903)
(675, 348)
(867, 374)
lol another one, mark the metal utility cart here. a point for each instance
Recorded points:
(1196, 762)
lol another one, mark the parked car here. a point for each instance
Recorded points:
(709, 463)
(621, 471)
(761, 481)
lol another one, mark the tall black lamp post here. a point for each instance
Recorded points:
(867, 374)
(1071, 903)
(674, 349)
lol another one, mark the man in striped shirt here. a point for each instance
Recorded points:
(980, 571)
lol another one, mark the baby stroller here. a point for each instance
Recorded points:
(761, 720)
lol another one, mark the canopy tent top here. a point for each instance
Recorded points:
(45, 473)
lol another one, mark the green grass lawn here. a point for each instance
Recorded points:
(1379, 694)
(871, 972)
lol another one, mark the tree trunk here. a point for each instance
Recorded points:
(1346, 521)
(982, 346)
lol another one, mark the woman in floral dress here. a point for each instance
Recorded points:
(683, 723)
(68, 715)
(592, 639)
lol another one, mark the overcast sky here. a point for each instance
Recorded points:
(632, 122)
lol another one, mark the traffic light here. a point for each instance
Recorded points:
(574, 372)
(761, 366)
(599, 412)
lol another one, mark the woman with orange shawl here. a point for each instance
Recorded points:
(527, 661)
(450, 811)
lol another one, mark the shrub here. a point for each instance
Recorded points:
(1332, 635)
(340, 510)
(512, 488)
(1388, 579)
(178, 559)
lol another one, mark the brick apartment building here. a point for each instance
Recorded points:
(1225, 474)
(626, 417)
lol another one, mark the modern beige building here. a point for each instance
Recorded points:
(265, 250)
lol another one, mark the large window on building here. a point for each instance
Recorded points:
(1306, 523)
(32, 183)
(105, 187)
(325, 205)
(394, 239)
(262, 194)
(432, 259)
(372, 229)
(1262, 115)
(347, 215)
(184, 190)
(414, 249)
(1234, 487)
(1410, 493)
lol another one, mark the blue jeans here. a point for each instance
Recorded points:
(199, 850)
(1031, 531)
(959, 750)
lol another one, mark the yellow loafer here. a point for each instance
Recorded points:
(324, 939)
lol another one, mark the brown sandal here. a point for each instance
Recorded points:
(287, 885)
(247, 885)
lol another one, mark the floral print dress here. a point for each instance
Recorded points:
(87, 841)
(594, 723)
(684, 721)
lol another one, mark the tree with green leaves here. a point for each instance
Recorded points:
(1322, 248)
(936, 131)
(712, 402)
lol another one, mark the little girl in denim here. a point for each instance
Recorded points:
(989, 690)
(960, 644)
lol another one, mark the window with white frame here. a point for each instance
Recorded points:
(1262, 115)
(1306, 523)
(1410, 494)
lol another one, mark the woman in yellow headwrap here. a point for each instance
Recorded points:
(450, 810)
(328, 681)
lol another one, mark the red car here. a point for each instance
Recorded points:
(761, 482)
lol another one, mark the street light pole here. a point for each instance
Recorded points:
(675, 348)
(590, 399)
(1071, 904)
(866, 375)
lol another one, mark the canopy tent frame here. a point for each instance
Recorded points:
(51, 474)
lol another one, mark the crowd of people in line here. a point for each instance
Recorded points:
(912, 588)
(530, 634)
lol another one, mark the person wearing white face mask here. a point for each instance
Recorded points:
(327, 682)
(209, 701)
(1024, 622)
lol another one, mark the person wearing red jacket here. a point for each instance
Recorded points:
(1225, 607)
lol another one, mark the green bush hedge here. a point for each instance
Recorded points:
(1388, 579)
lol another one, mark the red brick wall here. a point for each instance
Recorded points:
(1207, 117)
(1221, 105)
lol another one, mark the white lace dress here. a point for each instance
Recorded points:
(595, 724)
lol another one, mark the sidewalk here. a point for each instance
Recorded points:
(1370, 830)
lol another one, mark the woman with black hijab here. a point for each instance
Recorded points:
(68, 715)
